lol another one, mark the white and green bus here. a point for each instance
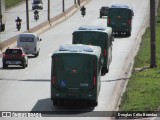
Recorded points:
(97, 36)
(75, 74)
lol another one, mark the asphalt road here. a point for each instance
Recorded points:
(29, 89)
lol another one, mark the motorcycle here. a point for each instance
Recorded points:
(2, 27)
(83, 13)
(18, 25)
(36, 17)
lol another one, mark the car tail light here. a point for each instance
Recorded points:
(23, 55)
(105, 52)
(4, 55)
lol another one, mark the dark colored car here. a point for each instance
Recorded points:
(15, 56)
(104, 11)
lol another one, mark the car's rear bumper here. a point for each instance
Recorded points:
(13, 62)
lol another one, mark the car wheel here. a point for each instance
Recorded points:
(55, 102)
(93, 103)
(24, 64)
(37, 54)
(128, 34)
(4, 66)
(27, 63)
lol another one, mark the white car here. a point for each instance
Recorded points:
(29, 42)
(37, 4)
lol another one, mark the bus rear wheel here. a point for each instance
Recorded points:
(58, 102)
(128, 34)
(92, 103)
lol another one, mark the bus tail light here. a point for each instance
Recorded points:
(54, 71)
(129, 22)
(109, 21)
(94, 72)
(105, 52)
(53, 80)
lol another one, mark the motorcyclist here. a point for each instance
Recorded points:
(2, 26)
(83, 10)
(36, 12)
(36, 16)
(18, 21)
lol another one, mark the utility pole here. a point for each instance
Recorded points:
(63, 6)
(153, 34)
(49, 11)
(27, 15)
(79, 2)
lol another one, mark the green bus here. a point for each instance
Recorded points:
(120, 19)
(75, 74)
(97, 36)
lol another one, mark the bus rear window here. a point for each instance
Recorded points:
(124, 13)
(26, 39)
(90, 38)
(74, 63)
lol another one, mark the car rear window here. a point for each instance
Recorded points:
(13, 51)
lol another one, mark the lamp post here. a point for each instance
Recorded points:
(27, 15)
(153, 34)
(63, 6)
(49, 11)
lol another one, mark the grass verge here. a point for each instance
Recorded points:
(11, 3)
(143, 89)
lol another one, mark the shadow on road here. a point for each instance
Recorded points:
(46, 107)
(48, 80)
(12, 68)
(115, 80)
